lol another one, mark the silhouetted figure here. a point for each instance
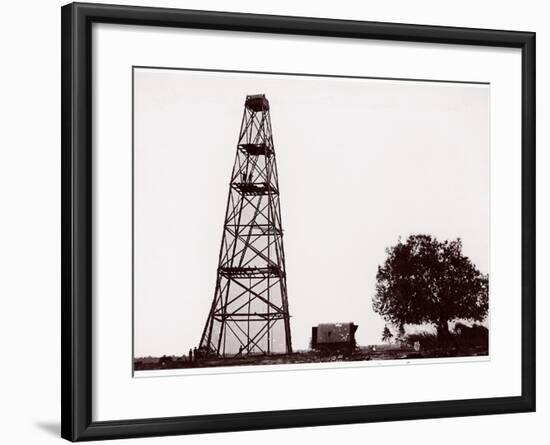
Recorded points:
(250, 177)
(244, 176)
(240, 349)
(195, 353)
(190, 355)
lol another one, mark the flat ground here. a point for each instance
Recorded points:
(360, 354)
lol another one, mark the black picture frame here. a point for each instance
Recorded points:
(76, 248)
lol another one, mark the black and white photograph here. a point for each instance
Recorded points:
(304, 219)
(285, 222)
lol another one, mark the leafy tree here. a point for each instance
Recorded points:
(386, 334)
(427, 281)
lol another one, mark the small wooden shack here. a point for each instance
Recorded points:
(334, 338)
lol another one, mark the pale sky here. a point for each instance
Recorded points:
(361, 162)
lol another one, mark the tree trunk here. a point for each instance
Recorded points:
(443, 334)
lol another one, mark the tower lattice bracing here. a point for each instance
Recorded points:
(249, 313)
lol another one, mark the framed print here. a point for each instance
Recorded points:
(255, 208)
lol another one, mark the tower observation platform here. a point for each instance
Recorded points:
(257, 103)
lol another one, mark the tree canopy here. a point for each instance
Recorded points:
(427, 281)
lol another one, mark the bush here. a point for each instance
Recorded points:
(472, 336)
(428, 340)
(475, 336)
